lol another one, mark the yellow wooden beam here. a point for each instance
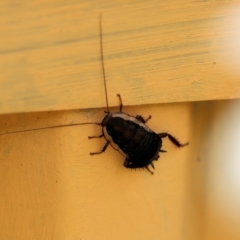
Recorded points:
(155, 52)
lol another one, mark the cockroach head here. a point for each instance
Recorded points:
(106, 119)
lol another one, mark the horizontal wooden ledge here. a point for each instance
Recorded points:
(50, 57)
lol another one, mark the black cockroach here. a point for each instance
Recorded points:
(125, 133)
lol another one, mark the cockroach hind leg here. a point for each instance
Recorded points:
(142, 119)
(176, 142)
(100, 136)
(152, 165)
(149, 170)
(103, 150)
(127, 163)
(121, 104)
(172, 139)
(162, 135)
(161, 150)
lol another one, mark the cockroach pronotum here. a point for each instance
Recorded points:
(125, 133)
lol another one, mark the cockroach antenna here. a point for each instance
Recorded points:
(56, 126)
(102, 58)
(105, 87)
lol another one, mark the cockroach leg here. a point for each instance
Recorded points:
(149, 170)
(172, 139)
(130, 165)
(143, 120)
(121, 104)
(127, 163)
(161, 150)
(152, 165)
(100, 136)
(103, 150)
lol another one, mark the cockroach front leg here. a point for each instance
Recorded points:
(142, 119)
(121, 104)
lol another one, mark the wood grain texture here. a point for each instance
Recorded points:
(155, 52)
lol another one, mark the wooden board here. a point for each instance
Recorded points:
(155, 52)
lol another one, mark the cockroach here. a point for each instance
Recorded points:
(125, 133)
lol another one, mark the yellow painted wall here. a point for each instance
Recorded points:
(53, 188)
(157, 55)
